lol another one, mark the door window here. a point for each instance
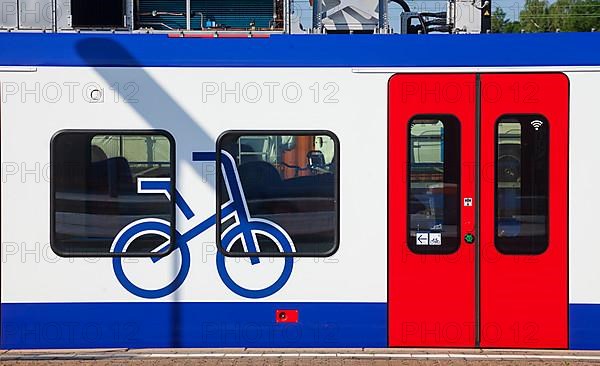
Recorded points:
(522, 184)
(433, 191)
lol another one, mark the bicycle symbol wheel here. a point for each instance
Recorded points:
(135, 230)
(275, 233)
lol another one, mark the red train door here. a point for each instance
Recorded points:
(523, 225)
(478, 210)
(431, 169)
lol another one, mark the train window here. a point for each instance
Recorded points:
(95, 178)
(433, 184)
(522, 184)
(289, 182)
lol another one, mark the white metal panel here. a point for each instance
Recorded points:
(350, 14)
(467, 16)
(184, 102)
(36, 14)
(584, 178)
(63, 14)
(8, 14)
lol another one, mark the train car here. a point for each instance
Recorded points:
(299, 191)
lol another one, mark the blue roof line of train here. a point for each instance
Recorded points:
(160, 50)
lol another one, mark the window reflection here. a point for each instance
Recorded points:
(522, 185)
(434, 172)
(95, 189)
(292, 181)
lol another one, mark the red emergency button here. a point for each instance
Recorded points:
(286, 316)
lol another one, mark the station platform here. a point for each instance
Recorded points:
(249, 356)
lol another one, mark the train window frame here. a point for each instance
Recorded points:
(172, 203)
(442, 117)
(508, 248)
(219, 181)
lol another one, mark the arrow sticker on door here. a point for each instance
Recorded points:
(422, 238)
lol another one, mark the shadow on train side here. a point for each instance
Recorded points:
(162, 112)
(175, 324)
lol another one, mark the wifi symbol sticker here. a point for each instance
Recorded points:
(537, 124)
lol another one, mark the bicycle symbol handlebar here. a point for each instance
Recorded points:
(245, 228)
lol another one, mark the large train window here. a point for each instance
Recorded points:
(433, 186)
(522, 184)
(95, 192)
(289, 201)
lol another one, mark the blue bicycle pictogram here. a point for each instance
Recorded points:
(245, 229)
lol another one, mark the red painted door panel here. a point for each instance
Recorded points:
(510, 288)
(523, 291)
(431, 295)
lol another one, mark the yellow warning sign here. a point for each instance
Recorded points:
(486, 13)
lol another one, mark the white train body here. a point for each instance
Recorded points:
(339, 300)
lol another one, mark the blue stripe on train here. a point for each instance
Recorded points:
(155, 325)
(584, 326)
(134, 50)
(145, 325)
